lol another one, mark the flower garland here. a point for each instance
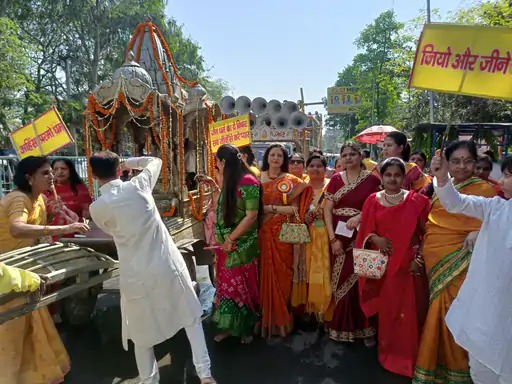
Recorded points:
(169, 56)
(88, 150)
(197, 213)
(120, 98)
(209, 154)
(163, 147)
(181, 152)
(159, 63)
(148, 143)
(170, 212)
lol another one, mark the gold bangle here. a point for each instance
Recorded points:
(333, 240)
(228, 239)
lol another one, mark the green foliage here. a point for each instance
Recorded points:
(382, 67)
(60, 50)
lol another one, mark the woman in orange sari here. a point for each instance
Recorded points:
(446, 249)
(395, 145)
(283, 195)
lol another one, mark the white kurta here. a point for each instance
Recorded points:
(480, 318)
(157, 297)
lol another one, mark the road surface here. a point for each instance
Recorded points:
(302, 358)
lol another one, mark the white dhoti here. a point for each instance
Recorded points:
(148, 366)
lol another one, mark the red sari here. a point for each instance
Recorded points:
(348, 322)
(399, 298)
(76, 202)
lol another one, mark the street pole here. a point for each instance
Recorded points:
(430, 93)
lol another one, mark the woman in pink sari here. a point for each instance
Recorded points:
(344, 199)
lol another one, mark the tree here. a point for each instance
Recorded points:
(73, 45)
(14, 76)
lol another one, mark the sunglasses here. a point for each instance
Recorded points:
(296, 162)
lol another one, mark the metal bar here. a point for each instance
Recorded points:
(24, 309)
(430, 93)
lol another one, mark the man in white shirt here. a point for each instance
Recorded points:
(157, 296)
(480, 318)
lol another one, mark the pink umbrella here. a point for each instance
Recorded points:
(375, 134)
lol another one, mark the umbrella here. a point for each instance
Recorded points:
(375, 134)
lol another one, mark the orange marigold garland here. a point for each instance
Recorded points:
(170, 212)
(163, 147)
(197, 213)
(181, 153)
(148, 143)
(88, 150)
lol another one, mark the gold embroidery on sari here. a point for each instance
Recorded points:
(348, 187)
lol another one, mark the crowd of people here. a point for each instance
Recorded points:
(267, 283)
(287, 237)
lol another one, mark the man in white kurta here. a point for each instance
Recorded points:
(157, 296)
(480, 318)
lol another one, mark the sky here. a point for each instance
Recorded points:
(272, 48)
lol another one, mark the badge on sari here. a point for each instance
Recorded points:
(285, 186)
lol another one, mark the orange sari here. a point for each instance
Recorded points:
(277, 258)
(440, 359)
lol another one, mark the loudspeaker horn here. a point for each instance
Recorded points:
(227, 105)
(290, 107)
(243, 105)
(281, 121)
(298, 120)
(264, 120)
(259, 105)
(274, 107)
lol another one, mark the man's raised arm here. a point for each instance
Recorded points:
(151, 167)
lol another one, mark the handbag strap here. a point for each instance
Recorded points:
(296, 213)
(368, 238)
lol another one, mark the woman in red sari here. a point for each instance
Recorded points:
(393, 221)
(283, 194)
(396, 145)
(344, 199)
(72, 191)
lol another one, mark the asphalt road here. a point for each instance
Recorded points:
(302, 358)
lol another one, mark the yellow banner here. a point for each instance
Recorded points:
(43, 136)
(342, 100)
(235, 131)
(464, 59)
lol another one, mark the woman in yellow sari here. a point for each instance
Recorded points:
(31, 350)
(318, 264)
(283, 195)
(447, 250)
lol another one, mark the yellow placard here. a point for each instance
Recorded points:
(43, 136)
(464, 59)
(342, 100)
(235, 131)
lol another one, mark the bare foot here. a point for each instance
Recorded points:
(208, 380)
(247, 339)
(219, 338)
